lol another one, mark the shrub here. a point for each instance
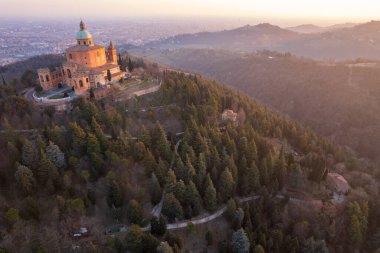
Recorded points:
(12, 215)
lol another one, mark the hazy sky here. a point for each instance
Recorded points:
(320, 11)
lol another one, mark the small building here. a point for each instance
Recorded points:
(229, 114)
(50, 78)
(337, 183)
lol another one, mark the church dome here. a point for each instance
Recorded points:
(83, 33)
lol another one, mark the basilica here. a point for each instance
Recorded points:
(88, 65)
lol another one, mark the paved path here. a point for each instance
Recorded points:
(195, 221)
(156, 211)
(208, 218)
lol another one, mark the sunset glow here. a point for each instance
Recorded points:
(323, 10)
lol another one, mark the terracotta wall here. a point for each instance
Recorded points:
(92, 58)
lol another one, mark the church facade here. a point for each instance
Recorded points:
(87, 65)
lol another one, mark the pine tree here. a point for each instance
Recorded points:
(78, 137)
(201, 172)
(158, 226)
(280, 169)
(171, 207)
(164, 247)
(243, 181)
(134, 212)
(230, 163)
(209, 238)
(193, 199)
(45, 170)
(240, 242)
(145, 137)
(25, 179)
(139, 151)
(179, 191)
(171, 181)
(13, 152)
(93, 145)
(156, 190)
(253, 177)
(114, 196)
(354, 231)
(209, 198)
(149, 162)
(314, 246)
(30, 154)
(259, 249)
(55, 155)
(189, 171)
(162, 171)
(226, 186)
(161, 143)
(102, 138)
(135, 239)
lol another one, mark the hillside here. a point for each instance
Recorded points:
(246, 38)
(341, 42)
(102, 168)
(335, 100)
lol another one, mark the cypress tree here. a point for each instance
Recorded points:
(109, 75)
(4, 82)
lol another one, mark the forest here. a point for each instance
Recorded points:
(336, 99)
(105, 163)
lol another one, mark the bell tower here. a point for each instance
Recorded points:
(112, 57)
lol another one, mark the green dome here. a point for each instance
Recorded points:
(83, 34)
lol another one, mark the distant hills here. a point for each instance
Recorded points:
(310, 28)
(340, 42)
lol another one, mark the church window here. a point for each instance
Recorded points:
(80, 83)
(70, 56)
(69, 73)
(84, 42)
(47, 78)
(42, 78)
(87, 80)
(63, 72)
(78, 42)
